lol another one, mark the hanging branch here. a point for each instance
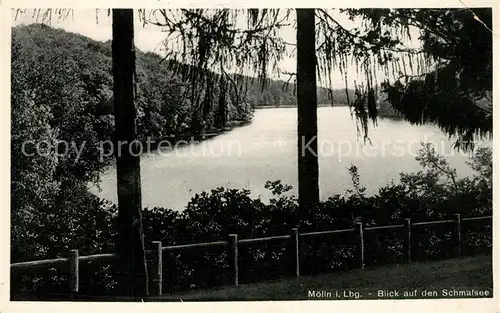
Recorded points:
(208, 40)
(203, 39)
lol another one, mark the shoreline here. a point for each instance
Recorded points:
(195, 139)
(391, 116)
(173, 140)
(198, 138)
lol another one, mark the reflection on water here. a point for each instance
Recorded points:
(265, 150)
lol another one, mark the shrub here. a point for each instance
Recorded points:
(79, 220)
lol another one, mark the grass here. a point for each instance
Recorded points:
(464, 275)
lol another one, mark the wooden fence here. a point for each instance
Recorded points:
(74, 259)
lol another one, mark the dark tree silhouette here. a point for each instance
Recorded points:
(131, 241)
(456, 93)
(307, 126)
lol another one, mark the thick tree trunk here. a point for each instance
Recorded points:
(130, 244)
(307, 128)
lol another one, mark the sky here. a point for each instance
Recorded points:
(96, 24)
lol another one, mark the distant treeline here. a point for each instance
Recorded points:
(278, 93)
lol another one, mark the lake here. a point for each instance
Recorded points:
(266, 149)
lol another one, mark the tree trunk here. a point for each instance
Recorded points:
(222, 112)
(307, 128)
(130, 243)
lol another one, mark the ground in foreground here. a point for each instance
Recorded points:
(456, 278)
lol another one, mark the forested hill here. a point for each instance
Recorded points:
(95, 56)
(62, 88)
(73, 73)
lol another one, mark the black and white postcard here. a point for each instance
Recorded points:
(190, 156)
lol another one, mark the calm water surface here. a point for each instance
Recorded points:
(265, 150)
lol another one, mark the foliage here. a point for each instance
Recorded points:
(450, 69)
(163, 108)
(456, 92)
(62, 92)
(446, 80)
(62, 102)
(33, 182)
(429, 194)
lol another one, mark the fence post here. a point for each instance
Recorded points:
(407, 241)
(361, 245)
(157, 268)
(458, 235)
(74, 271)
(233, 258)
(294, 244)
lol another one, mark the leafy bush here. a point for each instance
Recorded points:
(79, 220)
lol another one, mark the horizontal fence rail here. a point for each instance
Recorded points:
(432, 223)
(263, 239)
(72, 262)
(374, 228)
(99, 257)
(328, 232)
(39, 264)
(195, 245)
(477, 218)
